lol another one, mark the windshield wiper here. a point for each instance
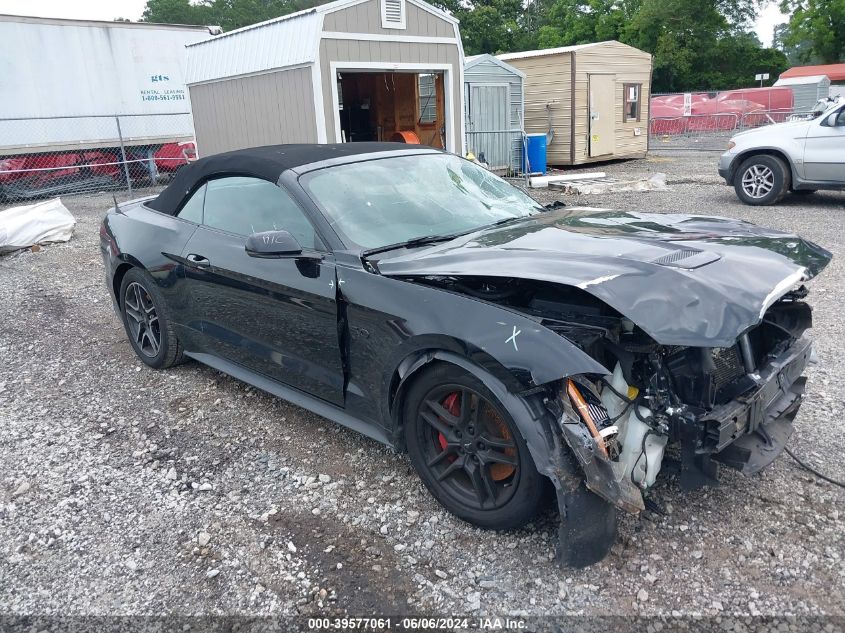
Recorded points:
(514, 218)
(508, 220)
(416, 241)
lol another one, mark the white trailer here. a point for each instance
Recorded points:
(63, 81)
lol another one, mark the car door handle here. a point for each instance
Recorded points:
(198, 260)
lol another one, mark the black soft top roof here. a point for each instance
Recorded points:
(267, 163)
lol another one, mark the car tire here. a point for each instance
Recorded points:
(147, 321)
(762, 180)
(473, 461)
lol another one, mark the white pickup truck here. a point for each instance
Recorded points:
(802, 156)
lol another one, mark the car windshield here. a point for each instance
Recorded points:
(388, 201)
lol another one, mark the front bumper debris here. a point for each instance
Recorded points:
(749, 432)
(602, 476)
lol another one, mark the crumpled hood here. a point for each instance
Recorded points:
(685, 280)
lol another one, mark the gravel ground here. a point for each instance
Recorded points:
(125, 490)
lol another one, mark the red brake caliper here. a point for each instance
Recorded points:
(452, 403)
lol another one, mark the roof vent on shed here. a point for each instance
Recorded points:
(393, 14)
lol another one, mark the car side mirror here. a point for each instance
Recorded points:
(273, 245)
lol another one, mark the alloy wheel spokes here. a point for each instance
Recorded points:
(452, 468)
(482, 482)
(758, 181)
(133, 308)
(468, 450)
(143, 320)
(151, 340)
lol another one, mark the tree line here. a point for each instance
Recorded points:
(696, 44)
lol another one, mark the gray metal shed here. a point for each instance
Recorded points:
(494, 108)
(349, 70)
(806, 91)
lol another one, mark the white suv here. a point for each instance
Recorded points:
(798, 156)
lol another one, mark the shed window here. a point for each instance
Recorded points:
(393, 14)
(428, 99)
(632, 102)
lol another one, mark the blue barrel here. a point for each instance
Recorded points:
(535, 151)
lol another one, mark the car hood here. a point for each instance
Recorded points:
(790, 127)
(685, 280)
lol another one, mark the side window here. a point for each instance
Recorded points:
(245, 206)
(632, 102)
(192, 209)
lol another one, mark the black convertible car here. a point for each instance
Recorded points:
(509, 348)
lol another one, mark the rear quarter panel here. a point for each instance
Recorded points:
(137, 236)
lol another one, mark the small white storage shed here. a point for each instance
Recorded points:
(349, 70)
(494, 110)
(806, 91)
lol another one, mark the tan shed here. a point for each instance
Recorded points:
(350, 70)
(591, 100)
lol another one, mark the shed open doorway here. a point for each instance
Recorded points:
(392, 106)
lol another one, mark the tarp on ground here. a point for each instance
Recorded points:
(39, 223)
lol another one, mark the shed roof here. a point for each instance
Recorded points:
(289, 40)
(475, 60)
(31, 19)
(836, 72)
(801, 81)
(551, 51)
(274, 44)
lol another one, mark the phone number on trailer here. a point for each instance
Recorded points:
(173, 97)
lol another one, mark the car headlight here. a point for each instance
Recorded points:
(731, 145)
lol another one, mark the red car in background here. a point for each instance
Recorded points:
(31, 176)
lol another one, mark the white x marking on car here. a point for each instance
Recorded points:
(512, 338)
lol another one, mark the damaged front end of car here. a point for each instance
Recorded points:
(659, 408)
(698, 324)
(684, 410)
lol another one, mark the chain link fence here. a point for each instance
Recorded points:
(44, 157)
(706, 121)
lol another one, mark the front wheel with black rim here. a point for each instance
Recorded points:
(761, 180)
(146, 321)
(468, 451)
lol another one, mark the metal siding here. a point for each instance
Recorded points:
(547, 81)
(366, 18)
(387, 53)
(805, 96)
(275, 45)
(64, 69)
(249, 111)
(89, 68)
(488, 72)
(630, 65)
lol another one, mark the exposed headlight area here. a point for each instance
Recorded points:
(703, 406)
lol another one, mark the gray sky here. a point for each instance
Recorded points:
(110, 9)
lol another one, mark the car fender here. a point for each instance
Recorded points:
(587, 526)
(533, 419)
(778, 152)
(392, 323)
